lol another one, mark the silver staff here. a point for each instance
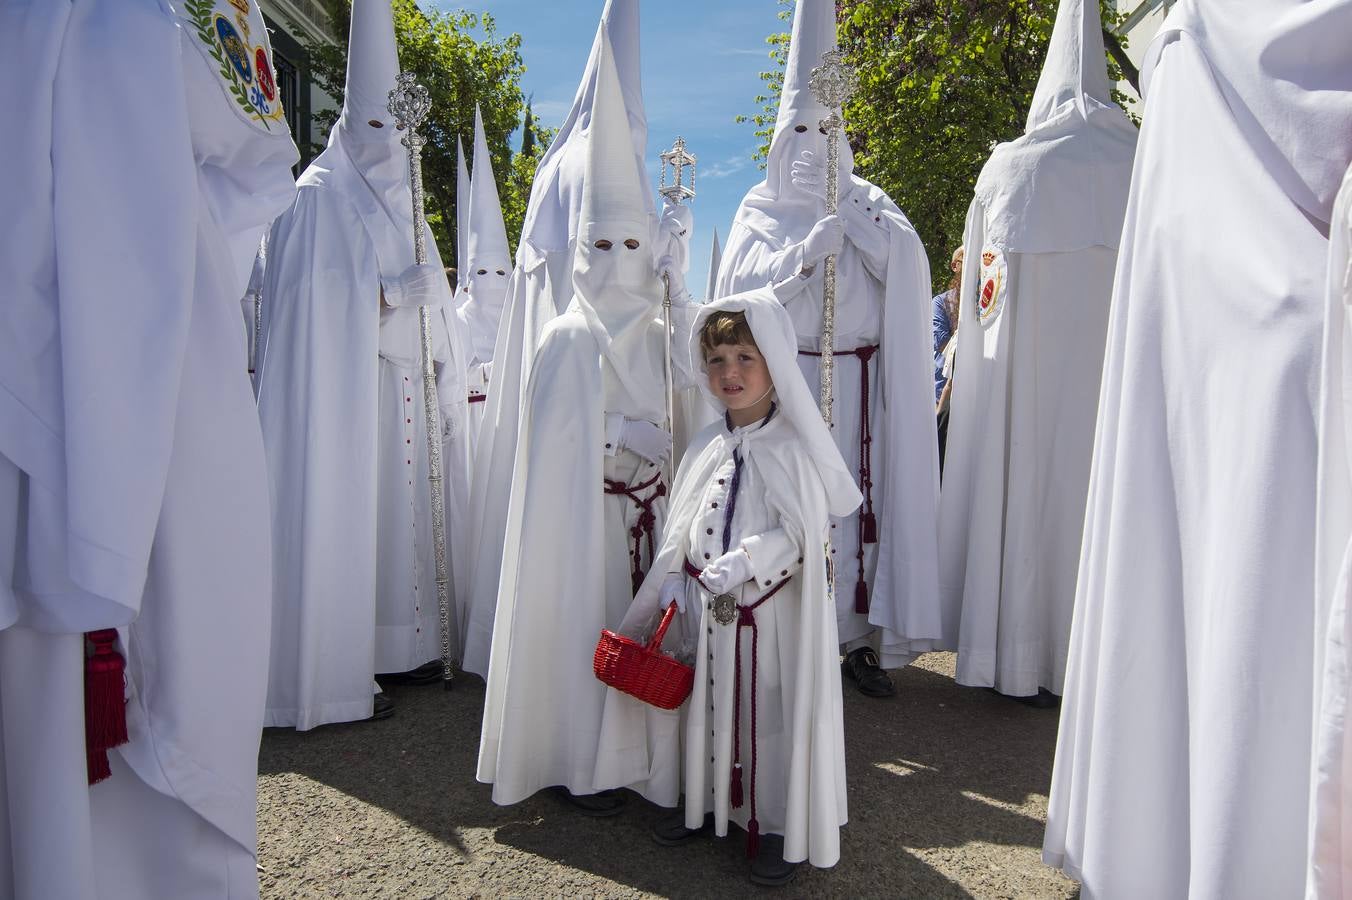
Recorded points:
(832, 84)
(256, 339)
(677, 160)
(409, 104)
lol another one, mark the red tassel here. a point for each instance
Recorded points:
(96, 765)
(752, 839)
(105, 702)
(737, 786)
(868, 524)
(861, 597)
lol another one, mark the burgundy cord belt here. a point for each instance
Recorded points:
(868, 522)
(646, 526)
(745, 619)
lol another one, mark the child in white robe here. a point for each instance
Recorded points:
(744, 557)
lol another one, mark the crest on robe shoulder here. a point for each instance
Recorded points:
(991, 285)
(232, 36)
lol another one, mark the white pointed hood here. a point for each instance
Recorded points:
(1063, 185)
(487, 240)
(775, 209)
(364, 158)
(775, 338)
(616, 288)
(555, 199)
(462, 207)
(715, 260)
(488, 261)
(1075, 70)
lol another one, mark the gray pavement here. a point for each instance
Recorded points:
(947, 798)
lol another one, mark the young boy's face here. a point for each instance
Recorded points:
(739, 378)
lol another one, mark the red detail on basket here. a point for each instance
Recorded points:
(643, 672)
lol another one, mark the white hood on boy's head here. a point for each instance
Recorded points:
(775, 338)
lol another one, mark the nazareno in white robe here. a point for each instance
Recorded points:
(540, 289)
(326, 425)
(883, 281)
(1330, 872)
(780, 518)
(132, 491)
(1041, 243)
(1182, 763)
(569, 560)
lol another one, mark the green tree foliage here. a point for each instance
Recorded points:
(459, 70)
(941, 82)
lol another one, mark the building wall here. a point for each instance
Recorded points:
(291, 25)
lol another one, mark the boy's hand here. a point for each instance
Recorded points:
(730, 570)
(673, 591)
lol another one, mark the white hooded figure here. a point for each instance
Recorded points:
(1331, 785)
(1183, 755)
(762, 493)
(487, 264)
(133, 497)
(1041, 244)
(587, 498)
(540, 288)
(885, 554)
(341, 401)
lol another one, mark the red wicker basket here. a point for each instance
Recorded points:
(643, 672)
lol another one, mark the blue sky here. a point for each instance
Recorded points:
(701, 65)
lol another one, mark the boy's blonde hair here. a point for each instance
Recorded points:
(725, 328)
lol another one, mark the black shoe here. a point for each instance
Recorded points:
(861, 664)
(598, 806)
(427, 673)
(382, 707)
(671, 831)
(769, 867)
(1043, 699)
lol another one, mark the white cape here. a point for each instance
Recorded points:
(1182, 762)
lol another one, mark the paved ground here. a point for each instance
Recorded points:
(947, 792)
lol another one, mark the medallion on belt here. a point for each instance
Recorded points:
(725, 609)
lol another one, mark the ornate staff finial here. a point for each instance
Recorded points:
(677, 160)
(409, 104)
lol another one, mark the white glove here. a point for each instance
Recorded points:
(673, 235)
(679, 292)
(730, 570)
(673, 591)
(807, 174)
(423, 285)
(825, 239)
(645, 439)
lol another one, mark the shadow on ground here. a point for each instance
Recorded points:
(946, 789)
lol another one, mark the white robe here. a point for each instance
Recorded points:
(1182, 762)
(318, 399)
(131, 469)
(566, 572)
(1330, 872)
(879, 302)
(407, 616)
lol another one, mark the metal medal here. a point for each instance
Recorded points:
(725, 609)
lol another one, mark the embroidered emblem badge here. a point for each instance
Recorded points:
(725, 609)
(990, 284)
(224, 29)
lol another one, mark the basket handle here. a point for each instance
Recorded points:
(656, 643)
